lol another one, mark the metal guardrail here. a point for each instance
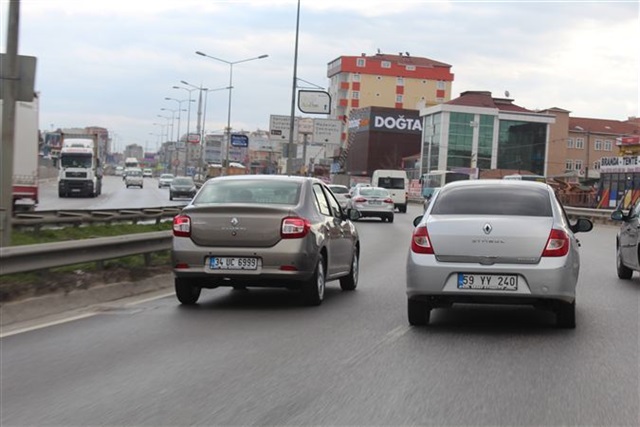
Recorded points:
(76, 217)
(20, 259)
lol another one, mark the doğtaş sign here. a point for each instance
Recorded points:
(386, 120)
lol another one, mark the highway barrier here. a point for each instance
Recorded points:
(20, 259)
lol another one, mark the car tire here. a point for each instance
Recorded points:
(566, 315)
(419, 312)
(403, 208)
(186, 291)
(624, 272)
(350, 282)
(313, 289)
(170, 196)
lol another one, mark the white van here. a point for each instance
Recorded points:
(396, 182)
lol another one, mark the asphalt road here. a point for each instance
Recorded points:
(260, 358)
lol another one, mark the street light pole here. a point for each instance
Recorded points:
(186, 157)
(179, 112)
(228, 129)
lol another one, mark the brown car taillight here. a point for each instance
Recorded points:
(182, 226)
(557, 244)
(294, 227)
(420, 242)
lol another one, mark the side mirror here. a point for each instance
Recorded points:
(417, 220)
(618, 215)
(354, 214)
(582, 225)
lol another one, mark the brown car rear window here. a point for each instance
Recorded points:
(249, 191)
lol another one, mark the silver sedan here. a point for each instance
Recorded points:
(494, 242)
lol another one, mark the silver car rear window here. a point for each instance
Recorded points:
(493, 200)
(373, 192)
(249, 191)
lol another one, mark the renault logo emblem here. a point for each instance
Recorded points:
(487, 228)
(234, 221)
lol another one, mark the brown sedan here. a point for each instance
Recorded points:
(264, 231)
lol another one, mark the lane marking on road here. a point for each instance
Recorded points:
(388, 338)
(46, 325)
(89, 312)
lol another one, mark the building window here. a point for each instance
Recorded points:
(410, 68)
(580, 143)
(578, 165)
(400, 81)
(386, 64)
(355, 95)
(607, 145)
(355, 77)
(598, 145)
(361, 62)
(440, 84)
(570, 143)
(596, 165)
(399, 98)
(568, 166)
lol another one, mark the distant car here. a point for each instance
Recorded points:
(355, 187)
(628, 241)
(494, 242)
(119, 170)
(372, 202)
(264, 231)
(134, 178)
(182, 187)
(342, 194)
(165, 180)
(147, 173)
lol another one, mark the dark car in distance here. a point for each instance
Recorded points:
(264, 231)
(182, 187)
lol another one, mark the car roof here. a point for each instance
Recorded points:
(496, 182)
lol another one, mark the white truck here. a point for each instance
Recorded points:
(25, 155)
(80, 168)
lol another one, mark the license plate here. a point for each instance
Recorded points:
(233, 263)
(375, 202)
(496, 282)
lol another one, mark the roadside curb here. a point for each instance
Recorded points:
(34, 308)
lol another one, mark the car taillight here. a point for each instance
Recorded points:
(182, 226)
(359, 200)
(388, 201)
(557, 244)
(294, 228)
(420, 242)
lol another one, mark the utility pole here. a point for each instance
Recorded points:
(10, 81)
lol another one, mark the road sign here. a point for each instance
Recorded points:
(239, 140)
(326, 131)
(279, 128)
(314, 102)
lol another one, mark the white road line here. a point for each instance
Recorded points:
(46, 325)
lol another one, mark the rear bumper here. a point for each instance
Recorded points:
(191, 261)
(550, 279)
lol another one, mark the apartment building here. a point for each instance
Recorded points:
(382, 80)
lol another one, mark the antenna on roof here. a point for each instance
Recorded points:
(378, 51)
(407, 53)
(506, 93)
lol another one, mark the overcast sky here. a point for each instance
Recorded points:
(111, 63)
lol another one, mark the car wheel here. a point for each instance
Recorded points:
(390, 218)
(419, 312)
(313, 289)
(403, 208)
(566, 315)
(624, 272)
(170, 196)
(186, 292)
(349, 282)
